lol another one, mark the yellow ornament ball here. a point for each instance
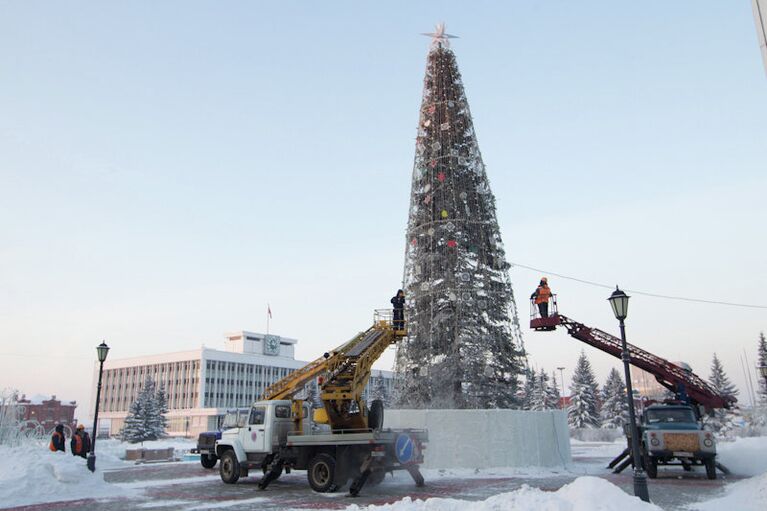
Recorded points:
(444, 213)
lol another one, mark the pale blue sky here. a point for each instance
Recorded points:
(166, 168)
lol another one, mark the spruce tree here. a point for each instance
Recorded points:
(555, 395)
(145, 419)
(544, 398)
(529, 389)
(583, 411)
(615, 408)
(722, 421)
(761, 358)
(160, 421)
(135, 427)
(464, 345)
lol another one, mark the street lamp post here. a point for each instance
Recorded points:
(562, 382)
(101, 351)
(620, 303)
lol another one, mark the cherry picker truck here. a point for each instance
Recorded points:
(342, 441)
(671, 432)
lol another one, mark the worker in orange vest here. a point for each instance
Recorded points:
(541, 296)
(58, 440)
(81, 442)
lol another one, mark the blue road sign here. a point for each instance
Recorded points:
(404, 448)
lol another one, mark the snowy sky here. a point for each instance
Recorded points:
(166, 169)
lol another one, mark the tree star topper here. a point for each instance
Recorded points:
(439, 38)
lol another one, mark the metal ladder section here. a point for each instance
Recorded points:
(669, 375)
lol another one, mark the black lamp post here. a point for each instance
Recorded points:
(620, 303)
(101, 351)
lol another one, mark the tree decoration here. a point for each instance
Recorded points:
(441, 177)
(452, 244)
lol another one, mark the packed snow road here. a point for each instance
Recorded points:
(187, 486)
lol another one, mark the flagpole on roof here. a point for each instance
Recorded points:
(268, 317)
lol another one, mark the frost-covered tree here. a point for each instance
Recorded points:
(556, 396)
(159, 420)
(544, 398)
(583, 411)
(464, 346)
(761, 360)
(722, 421)
(615, 408)
(529, 389)
(145, 419)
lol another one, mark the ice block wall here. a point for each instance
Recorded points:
(489, 438)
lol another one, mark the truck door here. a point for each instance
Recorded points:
(255, 439)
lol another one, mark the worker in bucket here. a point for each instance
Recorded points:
(398, 302)
(541, 296)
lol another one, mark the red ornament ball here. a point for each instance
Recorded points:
(441, 176)
(452, 244)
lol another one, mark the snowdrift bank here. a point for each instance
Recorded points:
(583, 494)
(744, 456)
(748, 495)
(33, 474)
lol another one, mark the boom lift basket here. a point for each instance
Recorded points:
(548, 323)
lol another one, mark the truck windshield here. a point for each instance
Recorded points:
(230, 420)
(670, 415)
(235, 418)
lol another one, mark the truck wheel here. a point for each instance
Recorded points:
(376, 414)
(321, 473)
(208, 460)
(710, 468)
(230, 467)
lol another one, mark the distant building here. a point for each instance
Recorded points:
(48, 412)
(202, 384)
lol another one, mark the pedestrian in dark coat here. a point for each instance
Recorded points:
(398, 301)
(58, 440)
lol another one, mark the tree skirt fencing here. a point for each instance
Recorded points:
(489, 438)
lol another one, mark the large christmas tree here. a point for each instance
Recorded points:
(464, 345)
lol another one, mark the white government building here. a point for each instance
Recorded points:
(202, 384)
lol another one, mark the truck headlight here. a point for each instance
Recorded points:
(654, 442)
(708, 442)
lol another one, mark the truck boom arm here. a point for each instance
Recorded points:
(345, 371)
(669, 375)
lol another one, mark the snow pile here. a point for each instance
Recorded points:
(33, 474)
(583, 494)
(748, 495)
(744, 456)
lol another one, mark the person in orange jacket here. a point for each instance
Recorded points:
(81, 442)
(541, 296)
(58, 440)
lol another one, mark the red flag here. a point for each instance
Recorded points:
(269, 310)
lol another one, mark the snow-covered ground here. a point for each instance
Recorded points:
(748, 495)
(33, 475)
